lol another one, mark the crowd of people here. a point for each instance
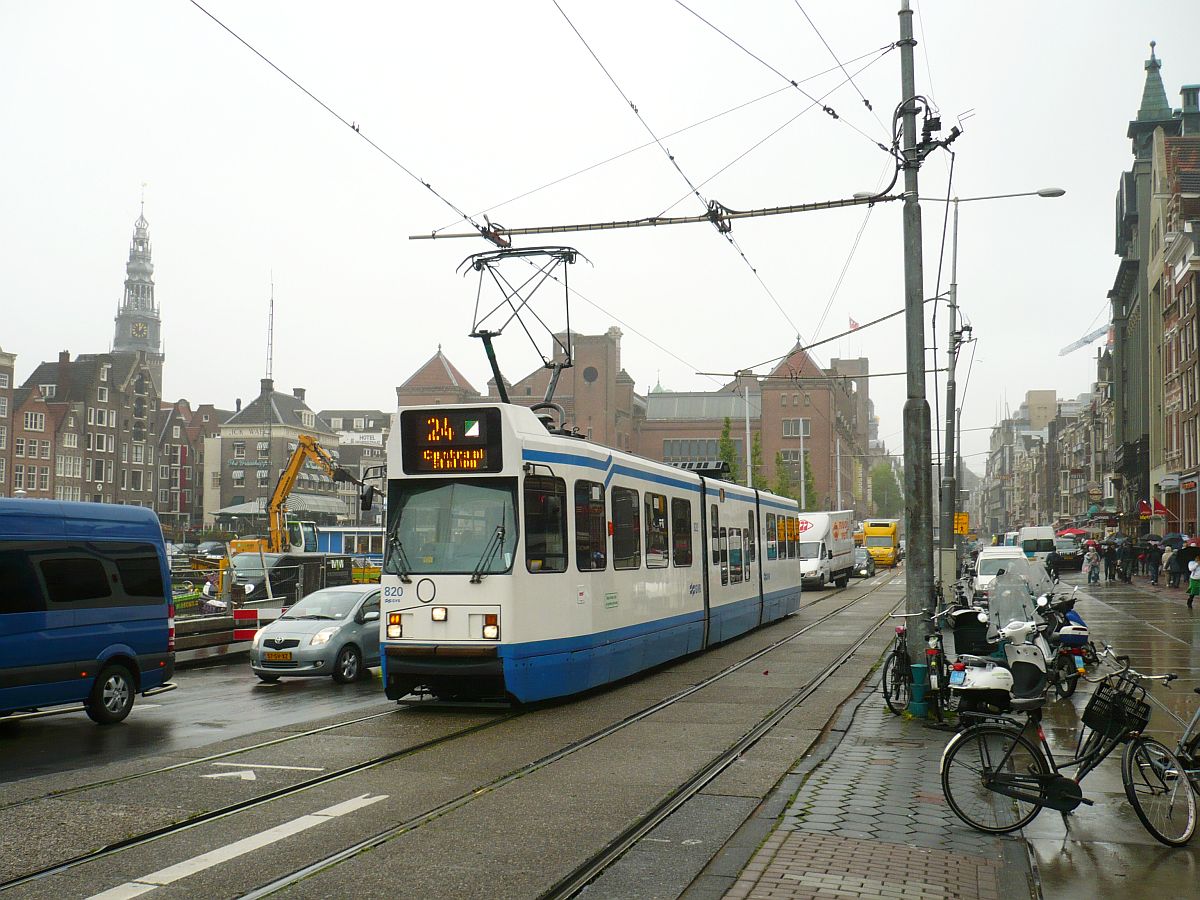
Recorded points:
(1120, 561)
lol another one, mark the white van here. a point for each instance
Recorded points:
(990, 563)
(1037, 541)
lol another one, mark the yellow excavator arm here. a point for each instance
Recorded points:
(307, 450)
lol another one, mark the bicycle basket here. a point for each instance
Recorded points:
(1117, 708)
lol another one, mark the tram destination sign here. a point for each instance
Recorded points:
(450, 441)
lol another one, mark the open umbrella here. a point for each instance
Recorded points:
(1189, 552)
(1153, 537)
(1072, 532)
(1174, 540)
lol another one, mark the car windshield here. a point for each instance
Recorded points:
(447, 527)
(861, 555)
(879, 541)
(249, 565)
(993, 565)
(1066, 546)
(324, 605)
(1037, 545)
(809, 550)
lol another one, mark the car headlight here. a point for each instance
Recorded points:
(257, 639)
(323, 636)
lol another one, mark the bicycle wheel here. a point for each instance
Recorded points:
(897, 682)
(981, 752)
(1066, 676)
(1159, 791)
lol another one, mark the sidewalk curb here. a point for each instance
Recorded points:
(209, 657)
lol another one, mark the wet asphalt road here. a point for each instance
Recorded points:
(211, 704)
(1103, 850)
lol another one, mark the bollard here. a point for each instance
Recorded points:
(917, 706)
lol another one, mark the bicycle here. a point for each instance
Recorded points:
(997, 780)
(897, 670)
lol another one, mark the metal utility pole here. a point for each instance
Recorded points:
(749, 457)
(918, 456)
(803, 470)
(948, 569)
(838, 503)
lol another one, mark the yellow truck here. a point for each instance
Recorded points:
(881, 537)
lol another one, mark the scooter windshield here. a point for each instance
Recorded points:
(1011, 601)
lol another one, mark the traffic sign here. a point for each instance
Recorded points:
(962, 523)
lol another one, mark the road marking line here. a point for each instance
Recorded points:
(174, 873)
(266, 766)
(244, 774)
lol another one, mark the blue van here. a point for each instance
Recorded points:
(85, 607)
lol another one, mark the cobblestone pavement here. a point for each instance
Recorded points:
(870, 821)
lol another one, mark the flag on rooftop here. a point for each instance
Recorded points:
(853, 325)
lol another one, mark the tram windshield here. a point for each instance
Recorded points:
(449, 527)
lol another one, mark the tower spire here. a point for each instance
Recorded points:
(1154, 97)
(138, 326)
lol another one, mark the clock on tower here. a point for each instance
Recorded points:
(138, 329)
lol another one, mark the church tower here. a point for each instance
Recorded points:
(138, 324)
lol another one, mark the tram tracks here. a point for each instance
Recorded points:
(414, 822)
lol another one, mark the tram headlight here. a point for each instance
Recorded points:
(394, 630)
(439, 613)
(491, 627)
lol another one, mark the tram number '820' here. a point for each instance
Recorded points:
(446, 441)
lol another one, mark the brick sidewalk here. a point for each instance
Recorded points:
(871, 821)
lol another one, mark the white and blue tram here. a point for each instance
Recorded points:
(525, 564)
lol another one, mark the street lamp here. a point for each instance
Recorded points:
(948, 558)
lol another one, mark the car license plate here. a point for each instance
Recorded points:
(958, 677)
(277, 657)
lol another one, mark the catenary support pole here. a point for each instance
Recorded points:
(948, 570)
(749, 455)
(837, 504)
(803, 469)
(918, 486)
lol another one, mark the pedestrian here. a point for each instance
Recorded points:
(1125, 561)
(1091, 565)
(1110, 562)
(1052, 564)
(1174, 567)
(1153, 559)
(1193, 581)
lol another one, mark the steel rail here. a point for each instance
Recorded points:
(462, 800)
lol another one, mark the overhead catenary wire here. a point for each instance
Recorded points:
(482, 230)
(352, 126)
(862, 96)
(829, 110)
(879, 52)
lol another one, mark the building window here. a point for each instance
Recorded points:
(360, 424)
(104, 372)
(164, 497)
(264, 449)
(656, 530)
(175, 432)
(263, 475)
(797, 428)
(239, 449)
(124, 452)
(35, 421)
(48, 390)
(681, 531)
(216, 479)
(591, 527)
(18, 477)
(70, 440)
(45, 454)
(3, 468)
(18, 447)
(101, 395)
(627, 529)
(139, 454)
(307, 419)
(3, 379)
(3, 407)
(545, 524)
(136, 476)
(239, 477)
(3, 437)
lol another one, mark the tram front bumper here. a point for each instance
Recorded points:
(444, 670)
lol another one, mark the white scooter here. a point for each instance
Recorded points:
(985, 684)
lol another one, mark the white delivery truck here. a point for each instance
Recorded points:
(826, 548)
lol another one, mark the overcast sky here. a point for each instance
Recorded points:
(246, 176)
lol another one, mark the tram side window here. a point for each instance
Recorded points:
(723, 540)
(716, 533)
(591, 525)
(750, 538)
(772, 547)
(545, 524)
(791, 537)
(656, 531)
(735, 556)
(627, 529)
(681, 531)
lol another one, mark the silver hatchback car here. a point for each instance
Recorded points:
(334, 631)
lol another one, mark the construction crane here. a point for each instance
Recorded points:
(282, 534)
(1084, 341)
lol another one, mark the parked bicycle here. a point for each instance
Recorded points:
(897, 670)
(996, 779)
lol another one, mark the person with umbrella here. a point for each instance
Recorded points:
(1170, 565)
(1091, 565)
(1193, 581)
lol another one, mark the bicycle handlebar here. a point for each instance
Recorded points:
(1166, 678)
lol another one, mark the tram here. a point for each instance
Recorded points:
(524, 564)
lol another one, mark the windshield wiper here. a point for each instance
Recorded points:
(398, 563)
(489, 553)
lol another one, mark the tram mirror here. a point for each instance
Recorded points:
(366, 498)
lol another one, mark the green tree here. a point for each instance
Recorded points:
(885, 491)
(756, 462)
(783, 478)
(727, 450)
